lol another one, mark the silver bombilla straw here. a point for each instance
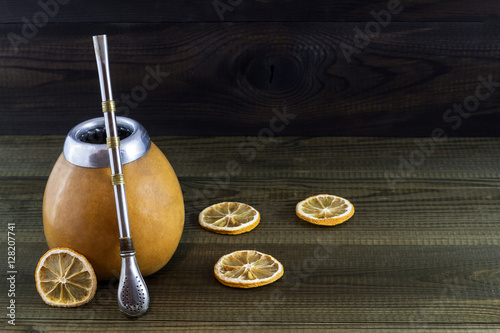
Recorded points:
(133, 296)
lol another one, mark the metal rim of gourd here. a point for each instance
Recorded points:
(95, 155)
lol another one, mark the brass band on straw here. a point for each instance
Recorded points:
(113, 142)
(117, 179)
(108, 106)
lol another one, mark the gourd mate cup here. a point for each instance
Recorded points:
(79, 208)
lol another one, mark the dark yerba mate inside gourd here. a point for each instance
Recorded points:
(98, 135)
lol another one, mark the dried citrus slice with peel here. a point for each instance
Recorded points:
(247, 269)
(325, 209)
(229, 218)
(65, 278)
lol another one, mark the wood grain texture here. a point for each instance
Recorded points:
(226, 79)
(127, 11)
(419, 255)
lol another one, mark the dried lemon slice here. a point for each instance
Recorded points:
(247, 269)
(230, 218)
(325, 209)
(64, 278)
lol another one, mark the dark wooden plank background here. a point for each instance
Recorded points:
(419, 256)
(225, 78)
(253, 11)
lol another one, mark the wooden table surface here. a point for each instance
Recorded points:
(421, 253)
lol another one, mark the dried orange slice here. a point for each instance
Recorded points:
(229, 218)
(247, 269)
(325, 209)
(65, 278)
